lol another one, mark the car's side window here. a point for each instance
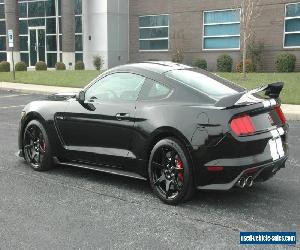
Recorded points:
(116, 87)
(154, 91)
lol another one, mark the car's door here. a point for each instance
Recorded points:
(100, 129)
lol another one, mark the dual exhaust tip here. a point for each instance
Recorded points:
(245, 182)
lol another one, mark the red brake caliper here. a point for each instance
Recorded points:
(179, 166)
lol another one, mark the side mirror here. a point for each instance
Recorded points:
(80, 96)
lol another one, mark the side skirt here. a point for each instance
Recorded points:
(103, 169)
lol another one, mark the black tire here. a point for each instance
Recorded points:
(36, 147)
(173, 178)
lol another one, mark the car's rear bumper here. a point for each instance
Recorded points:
(258, 173)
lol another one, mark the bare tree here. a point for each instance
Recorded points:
(178, 44)
(250, 10)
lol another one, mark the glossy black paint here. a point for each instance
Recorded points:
(120, 136)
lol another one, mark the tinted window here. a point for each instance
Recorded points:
(213, 87)
(154, 90)
(116, 87)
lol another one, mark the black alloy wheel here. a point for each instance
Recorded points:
(169, 171)
(36, 147)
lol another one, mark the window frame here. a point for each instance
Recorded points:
(220, 36)
(284, 27)
(153, 39)
(95, 81)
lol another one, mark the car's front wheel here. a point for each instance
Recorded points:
(36, 147)
(170, 171)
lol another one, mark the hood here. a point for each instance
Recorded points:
(61, 96)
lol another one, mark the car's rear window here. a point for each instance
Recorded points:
(208, 84)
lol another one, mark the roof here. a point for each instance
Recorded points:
(159, 67)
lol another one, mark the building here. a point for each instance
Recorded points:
(124, 31)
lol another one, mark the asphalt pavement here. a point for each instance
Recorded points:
(69, 208)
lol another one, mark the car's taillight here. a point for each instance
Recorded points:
(242, 125)
(280, 114)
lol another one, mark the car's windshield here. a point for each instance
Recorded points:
(213, 87)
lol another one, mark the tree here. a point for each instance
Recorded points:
(250, 10)
(178, 42)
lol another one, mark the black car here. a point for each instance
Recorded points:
(179, 127)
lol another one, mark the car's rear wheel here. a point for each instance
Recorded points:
(36, 147)
(170, 171)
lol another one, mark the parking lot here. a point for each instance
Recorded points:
(69, 208)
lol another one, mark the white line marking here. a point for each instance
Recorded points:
(10, 96)
(8, 107)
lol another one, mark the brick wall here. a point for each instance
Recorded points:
(186, 26)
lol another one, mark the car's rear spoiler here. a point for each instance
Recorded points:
(271, 90)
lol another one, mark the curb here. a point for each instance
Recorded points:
(35, 89)
(291, 112)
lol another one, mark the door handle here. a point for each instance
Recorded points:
(122, 116)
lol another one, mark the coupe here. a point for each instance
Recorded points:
(179, 127)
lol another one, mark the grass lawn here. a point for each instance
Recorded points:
(291, 89)
(68, 78)
(291, 92)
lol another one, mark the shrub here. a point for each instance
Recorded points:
(98, 62)
(21, 66)
(79, 65)
(4, 66)
(39, 66)
(178, 56)
(201, 63)
(285, 62)
(224, 63)
(250, 67)
(255, 53)
(60, 66)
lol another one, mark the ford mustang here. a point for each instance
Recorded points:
(179, 127)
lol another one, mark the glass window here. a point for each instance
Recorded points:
(23, 27)
(24, 43)
(25, 58)
(153, 44)
(78, 57)
(2, 28)
(293, 10)
(3, 57)
(36, 9)
(78, 24)
(221, 29)
(59, 7)
(36, 22)
(116, 87)
(51, 60)
(78, 43)
(59, 25)
(50, 8)
(78, 7)
(213, 87)
(51, 43)
(154, 91)
(154, 32)
(23, 10)
(2, 11)
(2, 43)
(292, 26)
(51, 25)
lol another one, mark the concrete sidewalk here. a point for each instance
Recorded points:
(292, 112)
